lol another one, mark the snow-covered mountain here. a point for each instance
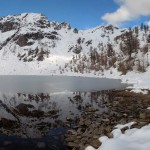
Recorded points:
(31, 44)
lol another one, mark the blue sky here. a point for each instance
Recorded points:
(81, 14)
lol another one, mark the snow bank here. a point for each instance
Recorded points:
(133, 139)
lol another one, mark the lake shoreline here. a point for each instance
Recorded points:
(125, 106)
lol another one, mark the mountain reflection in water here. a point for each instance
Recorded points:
(35, 112)
(33, 115)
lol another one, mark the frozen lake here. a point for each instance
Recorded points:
(51, 84)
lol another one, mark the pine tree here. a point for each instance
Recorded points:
(142, 26)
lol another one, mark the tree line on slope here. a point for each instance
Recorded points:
(131, 54)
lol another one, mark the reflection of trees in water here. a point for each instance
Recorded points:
(40, 112)
(77, 100)
(98, 99)
(85, 99)
(38, 97)
(23, 112)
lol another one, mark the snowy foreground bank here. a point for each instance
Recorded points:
(133, 139)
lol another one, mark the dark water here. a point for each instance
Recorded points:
(34, 110)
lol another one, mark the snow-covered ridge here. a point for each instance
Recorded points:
(30, 44)
(30, 37)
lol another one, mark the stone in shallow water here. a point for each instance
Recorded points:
(142, 116)
(69, 119)
(72, 144)
(124, 129)
(147, 113)
(95, 143)
(90, 109)
(72, 132)
(110, 135)
(71, 138)
(87, 122)
(81, 122)
(105, 120)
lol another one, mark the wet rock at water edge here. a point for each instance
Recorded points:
(71, 132)
(124, 129)
(72, 145)
(69, 119)
(95, 143)
(71, 138)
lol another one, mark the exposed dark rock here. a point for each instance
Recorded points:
(88, 42)
(54, 32)
(51, 36)
(23, 108)
(79, 40)
(58, 27)
(22, 40)
(36, 113)
(53, 112)
(75, 31)
(110, 27)
(69, 27)
(64, 24)
(42, 24)
(77, 49)
(8, 124)
(40, 56)
(8, 26)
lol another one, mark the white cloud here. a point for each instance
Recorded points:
(147, 22)
(128, 10)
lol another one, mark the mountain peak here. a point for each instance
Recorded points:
(35, 16)
(24, 19)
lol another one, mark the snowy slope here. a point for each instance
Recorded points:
(30, 44)
(30, 31)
